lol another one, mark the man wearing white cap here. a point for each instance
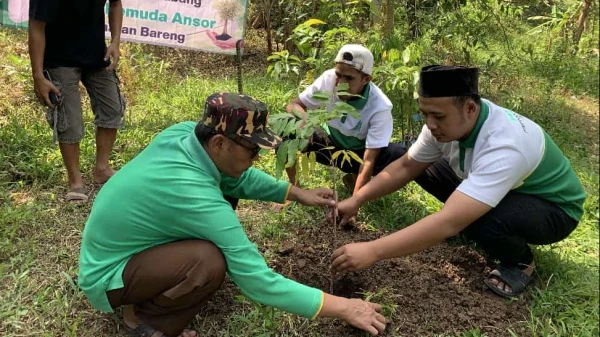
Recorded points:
(367, 136)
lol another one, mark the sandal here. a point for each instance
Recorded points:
(512, 276)
(77, 194)
(143, 330)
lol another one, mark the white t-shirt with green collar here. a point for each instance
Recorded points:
(372, 130)
(504, 152)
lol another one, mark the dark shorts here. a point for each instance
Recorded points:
(108, 104)
(321, 143)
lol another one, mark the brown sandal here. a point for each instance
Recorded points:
(77, 194)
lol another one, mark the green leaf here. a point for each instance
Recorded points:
(322, 96)
(416, 77)
(290, 128)
(280, 126)
(342, 87)
(354, 113)
(297, 113)
(346, 158)
(393, 55)
(355, 157)
(280, 159)
(302, 144)
(312, 160)
(335, 155)
(341, 108)
(292, 149)
(304, 161)
(312, 22)
(306, 132)
(406, 55)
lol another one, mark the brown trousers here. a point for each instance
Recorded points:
(169, 284)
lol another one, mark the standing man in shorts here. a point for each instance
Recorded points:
(66, 46)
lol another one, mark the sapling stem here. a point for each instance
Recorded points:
(334, 220)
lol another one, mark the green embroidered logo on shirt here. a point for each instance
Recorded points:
(358, 126)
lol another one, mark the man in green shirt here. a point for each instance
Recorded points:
(161, 236)
(504, 183)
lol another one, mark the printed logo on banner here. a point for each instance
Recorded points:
(207, 25)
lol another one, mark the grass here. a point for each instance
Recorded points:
(40, 235)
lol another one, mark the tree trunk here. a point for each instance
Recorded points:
(268, 30)
(389, 17)
(267, 7)
(375, 16)
(585, 10)
(411, 17)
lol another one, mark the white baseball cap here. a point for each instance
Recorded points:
(356, 56)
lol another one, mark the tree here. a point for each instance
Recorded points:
(411, 17)
(581, 22)
(389, 17)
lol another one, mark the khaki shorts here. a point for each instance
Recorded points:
(108, 104)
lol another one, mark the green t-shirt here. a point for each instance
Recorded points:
(172, 191)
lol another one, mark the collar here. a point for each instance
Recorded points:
(469, 142)
(199, 155)
(359, 102)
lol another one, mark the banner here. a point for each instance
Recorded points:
(14, 13)
(206, 25)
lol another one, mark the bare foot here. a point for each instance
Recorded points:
(101, 175)
(502, 286)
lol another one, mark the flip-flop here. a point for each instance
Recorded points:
(513, 276)
(77, 194)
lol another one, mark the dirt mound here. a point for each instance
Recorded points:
(438, 291)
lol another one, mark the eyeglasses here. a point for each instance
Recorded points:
(254, 150)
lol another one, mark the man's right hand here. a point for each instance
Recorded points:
(347, 209)
(365, 316)
(43, 88)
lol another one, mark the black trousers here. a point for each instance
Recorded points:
(506, 230)
(324, 148)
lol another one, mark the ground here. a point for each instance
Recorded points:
(438, 292)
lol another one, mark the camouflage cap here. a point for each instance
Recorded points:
(237, 114)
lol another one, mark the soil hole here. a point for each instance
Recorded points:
(347, 287)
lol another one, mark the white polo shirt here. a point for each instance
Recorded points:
(372, 130)
(504, 152)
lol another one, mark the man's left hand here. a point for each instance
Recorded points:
(353, 256)
(112, 51)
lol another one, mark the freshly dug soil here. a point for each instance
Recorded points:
(438, 291)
